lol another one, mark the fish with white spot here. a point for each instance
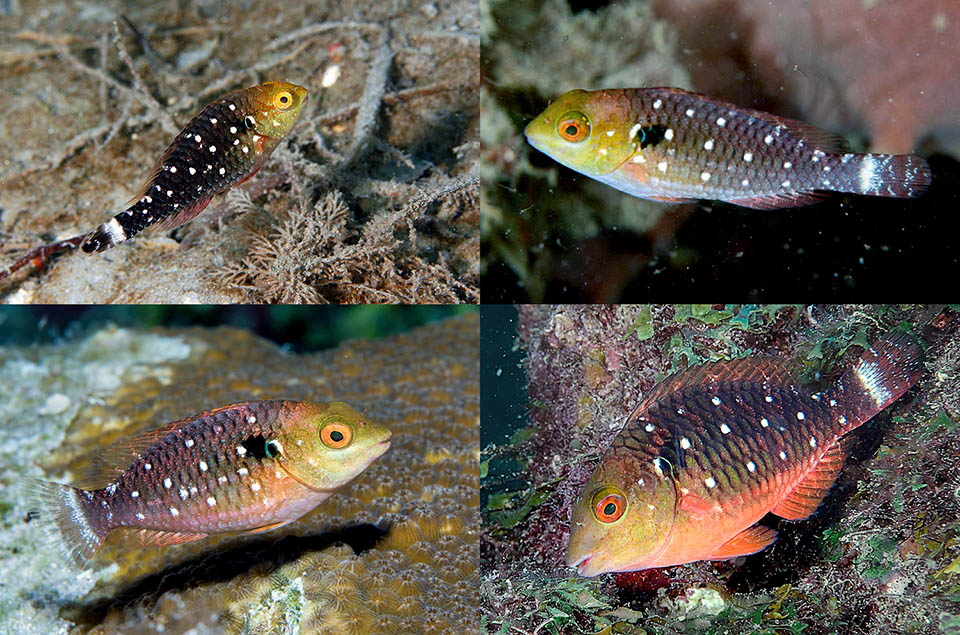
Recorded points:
(694, 487)
(204, 160)
(248, 467)
(703, 148)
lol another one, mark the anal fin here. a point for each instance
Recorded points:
(270, 527)
(804, 499)
(157, 538)
(777, 201)
(750, 540)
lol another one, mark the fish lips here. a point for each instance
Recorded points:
(585, 567)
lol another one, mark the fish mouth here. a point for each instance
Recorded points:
(583, 565)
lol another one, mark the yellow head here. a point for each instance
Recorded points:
(623, 517)
(325, 446)
(585, 131)
(276, 107)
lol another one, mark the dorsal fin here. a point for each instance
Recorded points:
(759, 369)
(809, 493)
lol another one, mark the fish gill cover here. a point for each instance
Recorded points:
(879, 555)
(395, 551)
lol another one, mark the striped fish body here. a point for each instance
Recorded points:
(715, 448)
(222, 146)
(250, 467)
(668, 144)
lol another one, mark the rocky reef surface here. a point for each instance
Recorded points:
(395, 552)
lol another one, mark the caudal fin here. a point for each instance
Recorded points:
(72, 515)
(896, 175)
(882, 374)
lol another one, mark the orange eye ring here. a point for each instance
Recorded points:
(609, 505)
(574, 127)
(336, 436)
(283, 100)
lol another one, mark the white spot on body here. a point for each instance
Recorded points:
(680, 411)
(685, 443)
(183, 494)
(657, 104)
(148, 199)
(783, 455)
(211, 501)
(188, 443)
(141, 516)
(192, 171)
(169, 192)
(724, 428)
(721, 122)
(745, 182)
(241, 450)
(134, 494)
(602, 152)
(610, 133)
(689, 112)
(842, 419)
(649, 427)
(715, 401)
(245, 149)
(768, 139)
(251, 419)
(236, 142)
(748, 156)
(709, 482)
(213, 148)
(668, 135)
(662, 166)
(708, 145)
(233, 130)
(213, 120)
(768, 399)
(221, 479)
(255, 486)
(167, 483)
(787, 165)
(801, 416)
(751, 466)
(222, 171)
(813, 442)
(826, 168)
(242, 471)
(764, 423)
(173, 169)
(256, 138)
(203, 466)
(635, 130)
(193, 490)
(197, 138)
(231, 107)
(147, 466)
(174, 511)
(704, 176)
(785, 184)
(833, 402)
(639, 159)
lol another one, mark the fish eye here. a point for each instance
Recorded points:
(336, 436)
(272, 449)
(574, 127)
(283, 100)
(609, 505)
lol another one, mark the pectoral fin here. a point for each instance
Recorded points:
(750, 540)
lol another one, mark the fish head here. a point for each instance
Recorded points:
(585, 131)
(623, 517)
(278, 105)
(325, 446)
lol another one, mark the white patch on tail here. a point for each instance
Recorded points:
(871, 376)
(868, 172)
(63, 513)
(115, 231)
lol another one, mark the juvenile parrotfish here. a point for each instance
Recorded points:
(667, 144)
(224, 145)
(249, 467)
(714, 448)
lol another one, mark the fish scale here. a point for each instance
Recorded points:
(251, 466)
(668, 144)
(713, 449)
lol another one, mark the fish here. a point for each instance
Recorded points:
(247, 467)
(667, 144)
(714, 448)
(224, 145)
